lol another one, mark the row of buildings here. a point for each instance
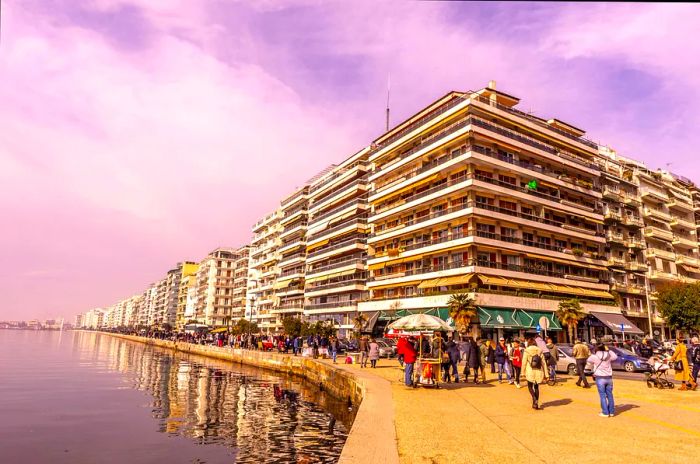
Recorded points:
(468, 195)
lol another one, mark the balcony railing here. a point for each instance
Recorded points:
(352, 259)
(359, 220)
(343, 283)
(651, 231)
(335, 191)
(361, 199)
(654, 252)
(539, 270)
(335, 246)
(335, 175)
(332, 304)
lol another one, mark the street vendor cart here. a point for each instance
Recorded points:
(423, 327)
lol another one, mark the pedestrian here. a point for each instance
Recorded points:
(602, 373)
(409, 358)
(364, 351)
(452, 350)
(373, 353)
(553, 358)
(694, 355)
(491, 355)
(333, 344)
(517, 361)
(681, 366)
(400, 345)
(472, 356)
(484, 351)
(535, 370)
(501, 355)
(645, 349)
(581, 354)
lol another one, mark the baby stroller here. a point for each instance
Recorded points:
(657, 377)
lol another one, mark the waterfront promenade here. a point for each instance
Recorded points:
(461, 423)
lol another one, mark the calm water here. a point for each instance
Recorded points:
(77, 397)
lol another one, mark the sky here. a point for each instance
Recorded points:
(135, 134)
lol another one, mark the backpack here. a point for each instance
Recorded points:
(696, 356)
(536, 362)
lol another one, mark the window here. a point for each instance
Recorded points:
(484, 200)
(507, 179)
(509, 205)
(508, 234)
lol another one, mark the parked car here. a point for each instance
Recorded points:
(386, 350)
(567, 362)
(626, 361)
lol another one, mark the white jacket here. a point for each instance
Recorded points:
(602, 363)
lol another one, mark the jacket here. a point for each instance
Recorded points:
(501, 354)
(602, 363)
(681, 354)
(364, 346)
(453, 351)
(490, 353)
(517, 357)
(531, 374)
(373, 351)
(581, 351)
(484, 350)
(554, 353)
(473, 356)
(409, 353)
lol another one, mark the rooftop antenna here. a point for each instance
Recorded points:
(388, 94)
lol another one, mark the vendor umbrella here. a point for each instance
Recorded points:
(420, 322)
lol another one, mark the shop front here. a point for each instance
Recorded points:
(511, 323)
(608, 326)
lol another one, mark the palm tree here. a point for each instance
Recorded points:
(462, 310)
(569, 314)
(359, 322)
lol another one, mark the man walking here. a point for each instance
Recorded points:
(409, 359)
(364, 351)
(581, 353)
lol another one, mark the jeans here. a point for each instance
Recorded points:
(605, 391)
(408, 374)
(363, 358)
(696, 371)
(580, 370)
(334, 354)
(534, 391)
(516, 374)
(454, 370)
(501, 370)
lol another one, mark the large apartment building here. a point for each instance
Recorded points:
(240, 282)
(289, 287)
(186, 294)
(264, 259)
(473, 195)
(215, 300)
(336, 243)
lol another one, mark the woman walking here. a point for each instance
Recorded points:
(535, 370)
(602, 372)
(373, 352)
(680, 360)
(517, 361)
(502, 360)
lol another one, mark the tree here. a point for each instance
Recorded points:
(292, 326)
(462, 310)
(359, 322)
(679, 305)
(570, 313)
(243, 326)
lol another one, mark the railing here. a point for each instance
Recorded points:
(343, 283)
(301, 254)
(299, 270)
(656, 212)
(359, 220)
(334, 191)
(337, 304)
(335, 246)
(294, 198)
(337, 174)
(354, 259)
(292, 212)
(539, 270)
(357, 201)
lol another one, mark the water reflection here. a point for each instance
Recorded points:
(260, 416)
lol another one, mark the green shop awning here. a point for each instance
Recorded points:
(531, 319)
(442, 313)
(501, 318)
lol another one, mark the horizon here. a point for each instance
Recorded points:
(108, 107)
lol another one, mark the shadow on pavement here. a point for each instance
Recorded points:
(561, 402)
(624, 408)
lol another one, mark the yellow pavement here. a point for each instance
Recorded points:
(467, 423)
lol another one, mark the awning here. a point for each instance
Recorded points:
(504, 318)
(372, 317)
(283, 284)
(340, 218)
(492, 280)
(455, 280)
(429, 283)
(692, 269)
(316, 279)
(317, 244)
(531, 319)
(617, 323)
(219, 330)
(601, 294)
(374, 267)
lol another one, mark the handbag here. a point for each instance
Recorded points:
(678, 366)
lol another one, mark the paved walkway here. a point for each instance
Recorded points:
(462, 423)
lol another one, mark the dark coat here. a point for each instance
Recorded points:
(453, 351)
(473, 356)
(501, 354)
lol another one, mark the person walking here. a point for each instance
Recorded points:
(453, 355)
(645, 350)
(501, 356)
(535, 369)
(602, 372)
(694, 355)
(364, 351)
(553, 358)
(517, 361)
(409, 359)
(681, 366)
(472, 356)
(491, 355)
(373, 353)
(484, 351)
(400, 344)
(581, 354)
(333, 345)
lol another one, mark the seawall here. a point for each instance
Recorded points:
(372, 438)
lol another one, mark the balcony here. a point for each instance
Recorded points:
(337, 194)
(349, 261)
(662, 275)
(685, 242)
(611, 193)
(336, 246)
(615, 238)
(657, 233)
(680, 204)
(351, 283)
(612, 215)
(627, 288)
(633, 221)
(653, 193)
(294, 228)
(635, 244)
(359, 222)
(656, 213)
(290, 216)
(688, 260)
(682, 223)
(636, 266)
(331, 178)
(631, 199)
(361, 200)
(616, 262)
(659, 253)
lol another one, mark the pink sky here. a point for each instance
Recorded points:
(139, 133)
